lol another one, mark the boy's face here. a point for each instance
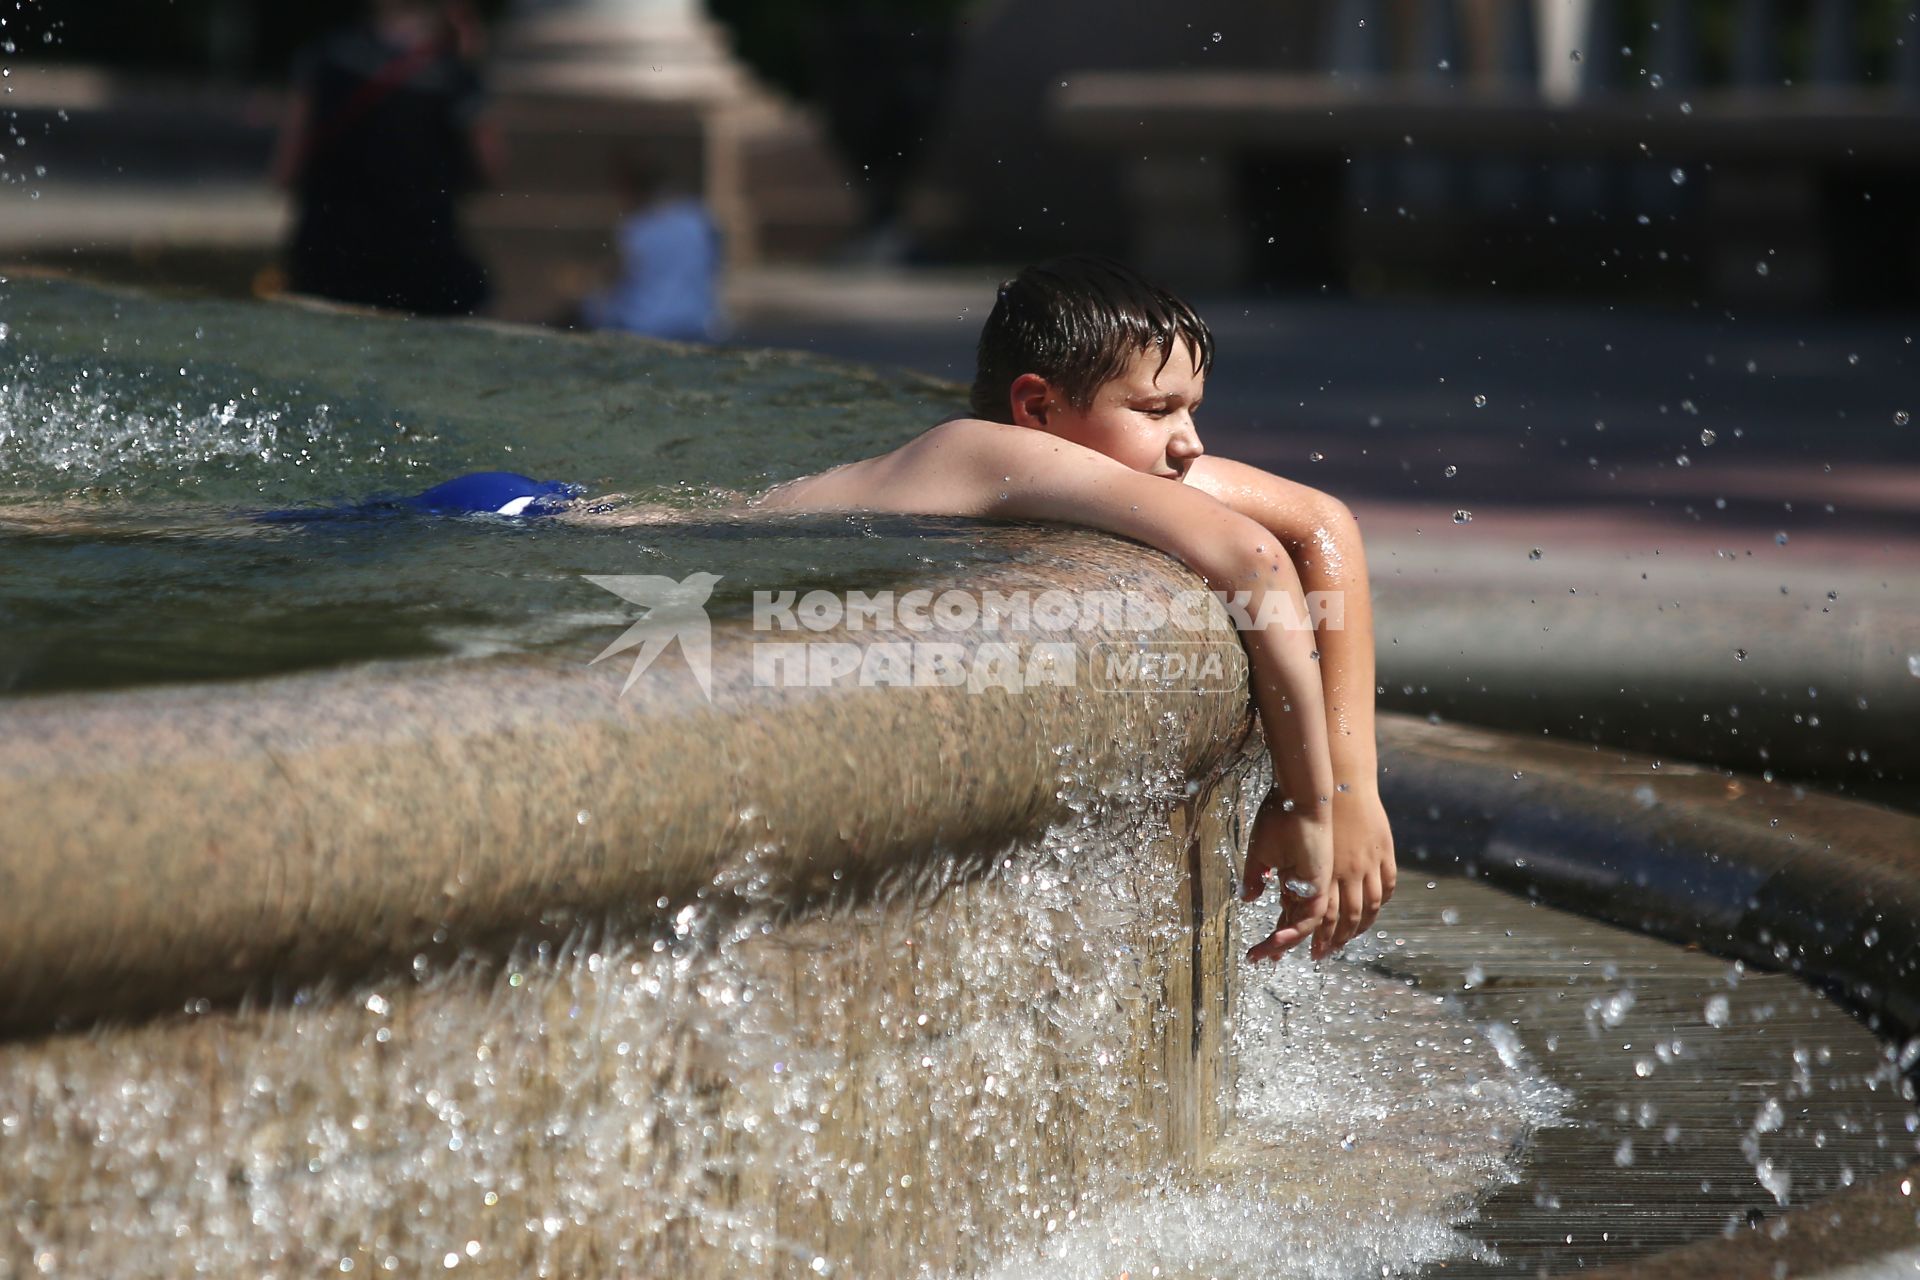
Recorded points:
(1143, 418)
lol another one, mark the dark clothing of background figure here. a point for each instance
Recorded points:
(387, 151)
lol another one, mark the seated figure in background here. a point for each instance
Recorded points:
(670, 258)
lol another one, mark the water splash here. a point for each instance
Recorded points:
(1368, 1124)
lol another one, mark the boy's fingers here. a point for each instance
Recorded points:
(1276, 944)
(1299, 919)
(1329, 913)
(1353, 911)
(1344, 920)
(1253, 882)
(1376, 899)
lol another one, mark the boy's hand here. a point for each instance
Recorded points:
(1298, 849)
(1363, 868)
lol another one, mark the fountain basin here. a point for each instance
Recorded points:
(432, 944)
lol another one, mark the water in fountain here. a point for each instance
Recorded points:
(135, 434)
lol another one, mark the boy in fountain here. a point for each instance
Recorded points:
(1088, 381)
(1087, 385)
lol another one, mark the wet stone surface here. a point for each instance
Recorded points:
(1706, 1099)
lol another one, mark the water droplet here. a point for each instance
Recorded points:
(1900, 418)
(1679, 177)
(1707, 437)
(1853, 357)
(1286, 806)
(1534, 554)
(1573, 55)
(1686, 108)
(1316, 456)
(1463, 517)
(1780, 538)
(1913, 665)
(1718, 1011)
(1216, 37)
(1451, 472)
(1654, 80)
(1623, 1154)
(1739, 655)
(1683, 461)
(1760, 268)
(1301, 888)
(1479, 402)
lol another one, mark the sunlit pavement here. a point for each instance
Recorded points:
(1549, 424)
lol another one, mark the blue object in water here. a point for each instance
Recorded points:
(500, 493)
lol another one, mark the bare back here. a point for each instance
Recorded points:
(928, 475)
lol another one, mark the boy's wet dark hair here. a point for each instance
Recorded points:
(1078, 321)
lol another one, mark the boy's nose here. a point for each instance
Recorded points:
(1185, 442)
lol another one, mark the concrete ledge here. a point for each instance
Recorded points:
(1693, 655)
(178, 843)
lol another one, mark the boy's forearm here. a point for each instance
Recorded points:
(1323, 541)
(1333, 561)
(1287, 690)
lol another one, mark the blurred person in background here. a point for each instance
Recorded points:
(383, 134)
(671, 252)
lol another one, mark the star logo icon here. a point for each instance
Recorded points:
(674, 611)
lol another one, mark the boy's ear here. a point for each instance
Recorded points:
(1030, 395)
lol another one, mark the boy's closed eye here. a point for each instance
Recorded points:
(1162, 408)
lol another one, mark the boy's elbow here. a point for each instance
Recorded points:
(1335, 517)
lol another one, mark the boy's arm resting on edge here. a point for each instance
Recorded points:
(1323, 540)
(1015, 473)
